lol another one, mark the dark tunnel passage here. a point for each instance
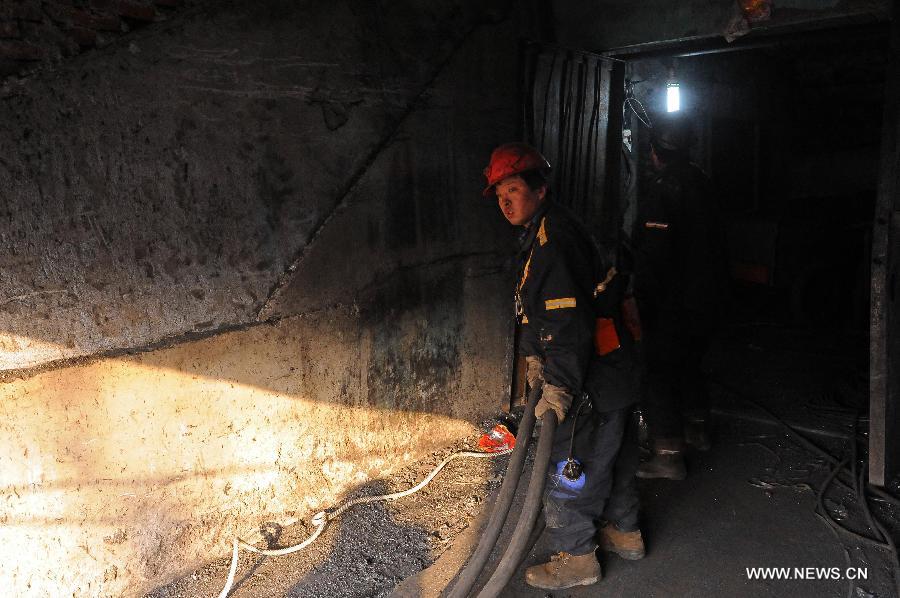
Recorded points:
(790, 135)
(248, 271)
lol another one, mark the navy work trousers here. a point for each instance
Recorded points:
(606, 444)
(676, 385)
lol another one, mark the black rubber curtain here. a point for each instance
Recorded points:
(571, 111)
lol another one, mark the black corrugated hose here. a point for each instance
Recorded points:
(469, 575)
(519, 542)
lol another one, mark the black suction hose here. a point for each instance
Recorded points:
(519, 542)
(539, 527)
(469, 575)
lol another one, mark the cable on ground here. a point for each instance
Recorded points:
(322, 518)
(856, 486)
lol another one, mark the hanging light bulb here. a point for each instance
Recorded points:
(673, 92)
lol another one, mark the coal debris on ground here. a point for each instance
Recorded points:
(371, 548)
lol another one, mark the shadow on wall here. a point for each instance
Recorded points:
(125, 469)
(154, 454)
(186, 411)
(152, 462)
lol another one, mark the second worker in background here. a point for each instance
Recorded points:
(680, 283)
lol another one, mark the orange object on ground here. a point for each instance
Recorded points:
(606, 339)
(498, 439)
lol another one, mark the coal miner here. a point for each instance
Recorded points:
(680, 285)
(573, 338)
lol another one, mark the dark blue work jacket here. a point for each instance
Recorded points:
(559, 268)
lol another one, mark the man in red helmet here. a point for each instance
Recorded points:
(589, 384)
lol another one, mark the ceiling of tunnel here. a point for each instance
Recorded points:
(611, 24)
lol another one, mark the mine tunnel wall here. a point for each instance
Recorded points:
(245, 268)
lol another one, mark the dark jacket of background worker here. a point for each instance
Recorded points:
(680, 283)
(591, 395)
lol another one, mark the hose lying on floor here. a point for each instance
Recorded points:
(322, 518)
(488, 540)
(519, 542)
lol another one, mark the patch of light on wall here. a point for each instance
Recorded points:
(673, 97)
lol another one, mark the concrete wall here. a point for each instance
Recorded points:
(299, 185)
(35, 34)
(163, 185)
(119, 475)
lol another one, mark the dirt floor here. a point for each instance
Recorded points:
(749, 502)
(370, 548)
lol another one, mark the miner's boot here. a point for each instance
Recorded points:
(667, 461)
(563, 571)
(628, 545)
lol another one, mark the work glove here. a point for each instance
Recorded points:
(534, 370)
(556, 398)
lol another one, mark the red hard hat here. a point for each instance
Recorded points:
(510, 159)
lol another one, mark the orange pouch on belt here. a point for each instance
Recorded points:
(606, 340)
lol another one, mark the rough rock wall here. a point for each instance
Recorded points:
(35, 34)
(163, 185)
(301, 184)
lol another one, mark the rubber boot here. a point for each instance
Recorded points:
(563, 571)
(667, 461)
(628, 545)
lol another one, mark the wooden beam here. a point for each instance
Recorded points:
(884, 364)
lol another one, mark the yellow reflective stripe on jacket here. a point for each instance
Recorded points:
(525, 271)
(562, 303)
(542, 238)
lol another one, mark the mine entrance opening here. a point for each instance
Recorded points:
(789, 130)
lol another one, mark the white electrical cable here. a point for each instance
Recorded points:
(231, 571)
(647, 123)
(321, 519)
